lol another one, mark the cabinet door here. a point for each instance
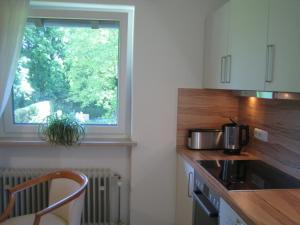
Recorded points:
(247, 44)
(216, 46)
(184, 201)
(284, 44)
(228, 216)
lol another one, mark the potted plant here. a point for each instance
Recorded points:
(62, 130)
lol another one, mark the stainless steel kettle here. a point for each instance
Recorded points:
(235, 137)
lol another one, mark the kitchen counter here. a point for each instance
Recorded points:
(261, 207)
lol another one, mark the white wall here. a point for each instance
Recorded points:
(168, 54)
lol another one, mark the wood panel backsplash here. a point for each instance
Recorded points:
(281, 118)
(199, 108)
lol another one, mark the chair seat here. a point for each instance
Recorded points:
(47, 219)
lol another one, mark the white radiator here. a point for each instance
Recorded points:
(101, 199)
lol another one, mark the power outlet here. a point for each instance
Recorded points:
(261, 134)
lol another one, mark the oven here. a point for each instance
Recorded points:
(205, 203)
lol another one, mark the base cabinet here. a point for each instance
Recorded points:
(184, 201)
(228, 216)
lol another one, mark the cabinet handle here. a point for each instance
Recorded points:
(228, 69)
(223, 69)
(189, 183)
(270, 63)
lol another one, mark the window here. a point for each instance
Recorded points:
(79, 67)
(68, 67)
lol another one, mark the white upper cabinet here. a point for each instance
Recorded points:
(247, 44)
(263, 46)
(216, 48)
(284, 46)
(235, 55)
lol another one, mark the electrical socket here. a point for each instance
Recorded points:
(261, 134)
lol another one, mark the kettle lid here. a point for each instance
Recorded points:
(232, 124)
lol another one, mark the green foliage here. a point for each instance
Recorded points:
(45, 49)
(25, 115)
(93, 75)
(74, 68)
(62, 130)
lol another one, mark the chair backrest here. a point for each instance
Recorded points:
(63, 187)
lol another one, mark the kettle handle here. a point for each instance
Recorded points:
(244, 129)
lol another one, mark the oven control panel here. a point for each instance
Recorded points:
(199, 185)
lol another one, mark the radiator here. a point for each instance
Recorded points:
(102, 206)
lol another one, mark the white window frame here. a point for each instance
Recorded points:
(123, 14)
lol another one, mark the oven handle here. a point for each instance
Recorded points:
(205, 204)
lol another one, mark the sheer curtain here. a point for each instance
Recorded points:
(13, 15)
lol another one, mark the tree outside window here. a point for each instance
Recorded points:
(67, 70)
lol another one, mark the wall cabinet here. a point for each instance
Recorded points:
(184, 201)
(284, 46)
(247, 45)
(216, 50)
(263, 47)
(236, 46)
(228, 215)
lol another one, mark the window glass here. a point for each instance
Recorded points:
(68, 67)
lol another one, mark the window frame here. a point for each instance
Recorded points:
(123, 14)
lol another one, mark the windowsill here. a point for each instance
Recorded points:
(85, 143)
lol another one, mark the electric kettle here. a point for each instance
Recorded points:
(235, 137)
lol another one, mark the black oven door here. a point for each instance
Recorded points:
(204, 212)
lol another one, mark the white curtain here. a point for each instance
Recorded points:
(13, 15)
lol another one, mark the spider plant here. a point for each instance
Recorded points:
(62, 130)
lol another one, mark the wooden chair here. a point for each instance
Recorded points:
(66, 199)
